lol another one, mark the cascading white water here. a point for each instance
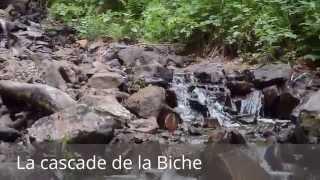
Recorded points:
(211, 98)
(187, 87)
(252, 104)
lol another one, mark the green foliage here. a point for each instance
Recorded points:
(251, 26)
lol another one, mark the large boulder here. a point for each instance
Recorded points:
(80, 124)
(286, 104)
(271, 74)
(41, 97)
(279, 104)
(147, 102)
(106, 80)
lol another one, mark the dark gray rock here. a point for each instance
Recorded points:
(207, 72)
(271, 74)
(286, 104)
(279, 104)
(8, 134)
(240, 87)
(271, 95)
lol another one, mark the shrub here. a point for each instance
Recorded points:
(251, 26)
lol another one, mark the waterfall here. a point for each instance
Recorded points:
(197, 101)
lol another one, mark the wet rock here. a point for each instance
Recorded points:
(106, 80)
(154, 74)
(247, 119)
(271, 95)
(236, 137)
(279, 104)
(147, 102)
(193, 131)
(207, 72)
(199, 107)
(286, 104)
(240, 87)
(149, 125)
(108, 105)
(8, 134)
(80, 124)
(271, 74)
(171, 98)
(38, 96)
